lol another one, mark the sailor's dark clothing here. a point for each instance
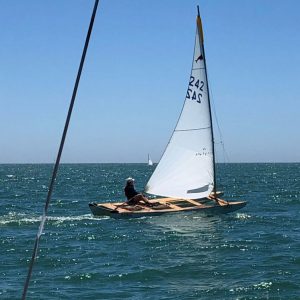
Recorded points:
(130, 192)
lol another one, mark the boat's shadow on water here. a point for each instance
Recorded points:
(180, 223)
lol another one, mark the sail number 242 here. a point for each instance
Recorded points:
(192, 93)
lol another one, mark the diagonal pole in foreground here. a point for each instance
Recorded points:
(41, 227)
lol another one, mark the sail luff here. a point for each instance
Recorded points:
(201, 42)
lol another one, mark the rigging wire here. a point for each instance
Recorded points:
(53, 178)
(225, 154)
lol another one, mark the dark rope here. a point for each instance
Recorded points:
(40, 231)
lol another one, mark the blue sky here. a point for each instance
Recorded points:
(136, 74)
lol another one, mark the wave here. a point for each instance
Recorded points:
(243, 216)
(259, 286)
(20, 218)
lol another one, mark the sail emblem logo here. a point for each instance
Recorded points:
(199, 58)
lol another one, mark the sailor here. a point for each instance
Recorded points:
(134, 197)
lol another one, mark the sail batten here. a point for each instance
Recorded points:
(192, 129)
(186, 169)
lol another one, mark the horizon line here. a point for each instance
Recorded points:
(82, 163)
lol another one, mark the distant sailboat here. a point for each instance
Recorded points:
(150, 162)
(186, 174)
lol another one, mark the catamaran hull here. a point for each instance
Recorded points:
(167, 207)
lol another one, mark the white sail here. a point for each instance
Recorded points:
(150, 163)
(186, 169)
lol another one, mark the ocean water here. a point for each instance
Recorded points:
(253, 253)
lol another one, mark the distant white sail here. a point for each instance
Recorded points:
(150, 163)
(186, 169)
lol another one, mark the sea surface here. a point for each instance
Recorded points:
(253, 253)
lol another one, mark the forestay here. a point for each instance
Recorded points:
(186, 169)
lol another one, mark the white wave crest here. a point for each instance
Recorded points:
(20, 218)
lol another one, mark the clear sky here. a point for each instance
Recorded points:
(136, 73)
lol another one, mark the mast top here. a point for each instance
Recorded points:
(199, 24)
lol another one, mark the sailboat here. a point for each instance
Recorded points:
(150, 162)
(185, 178)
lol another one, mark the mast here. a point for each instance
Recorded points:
(201, 42)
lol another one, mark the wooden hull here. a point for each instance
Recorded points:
(162, 206)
